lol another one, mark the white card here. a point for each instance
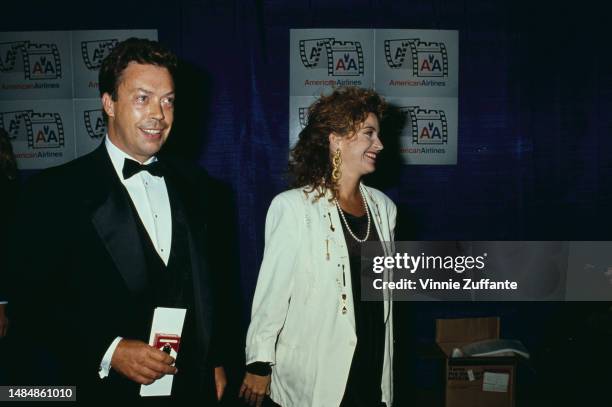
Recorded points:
(167, 323)
(495, 382)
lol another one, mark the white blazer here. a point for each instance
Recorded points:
(297, 322)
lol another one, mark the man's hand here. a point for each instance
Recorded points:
(140, 362)
(220, 381)
(254, 388)
(4, 321)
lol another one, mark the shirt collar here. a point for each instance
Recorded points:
(118, 156)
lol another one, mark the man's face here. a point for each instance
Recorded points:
(140, 120)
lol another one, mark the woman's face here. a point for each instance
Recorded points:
(360, 149)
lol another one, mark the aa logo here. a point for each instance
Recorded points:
(41, 130)
(424, 59)
(426, 126)
(38, 61)
(42, 61)
(94, 123)
(340, 58)
(93, 52)
(17, 124)
(47, 131)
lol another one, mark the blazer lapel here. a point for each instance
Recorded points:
(113, 220)
(382, 226)
(380, 221)
(180, 193)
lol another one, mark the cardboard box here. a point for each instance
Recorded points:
(475, 381)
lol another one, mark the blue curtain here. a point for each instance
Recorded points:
(535, 92)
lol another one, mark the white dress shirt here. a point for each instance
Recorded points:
(150, 197)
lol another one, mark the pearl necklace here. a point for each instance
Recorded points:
(365, 205)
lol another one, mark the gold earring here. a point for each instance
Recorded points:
(336, 162)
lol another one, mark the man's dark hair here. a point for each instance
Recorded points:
(139, 50)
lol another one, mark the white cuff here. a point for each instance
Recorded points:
(3, 302)
(105, 365)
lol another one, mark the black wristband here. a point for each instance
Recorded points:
(259, 368)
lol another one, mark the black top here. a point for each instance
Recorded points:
(363, 385)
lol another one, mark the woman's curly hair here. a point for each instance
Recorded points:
(342, 113)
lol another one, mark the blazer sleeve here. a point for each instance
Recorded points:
(275, 280)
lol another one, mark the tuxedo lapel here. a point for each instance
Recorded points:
(185, 209)
(113, 220)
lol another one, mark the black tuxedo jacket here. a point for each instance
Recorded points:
(79, 270)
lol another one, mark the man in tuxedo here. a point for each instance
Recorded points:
(105, 239)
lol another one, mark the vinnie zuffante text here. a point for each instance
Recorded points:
(403, 262)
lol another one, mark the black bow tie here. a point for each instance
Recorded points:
(131, 167)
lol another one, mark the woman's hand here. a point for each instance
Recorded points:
(254, 389)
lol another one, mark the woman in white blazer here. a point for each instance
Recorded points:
(312, 342)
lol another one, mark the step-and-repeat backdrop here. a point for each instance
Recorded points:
(49, 100)
(417, 71)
